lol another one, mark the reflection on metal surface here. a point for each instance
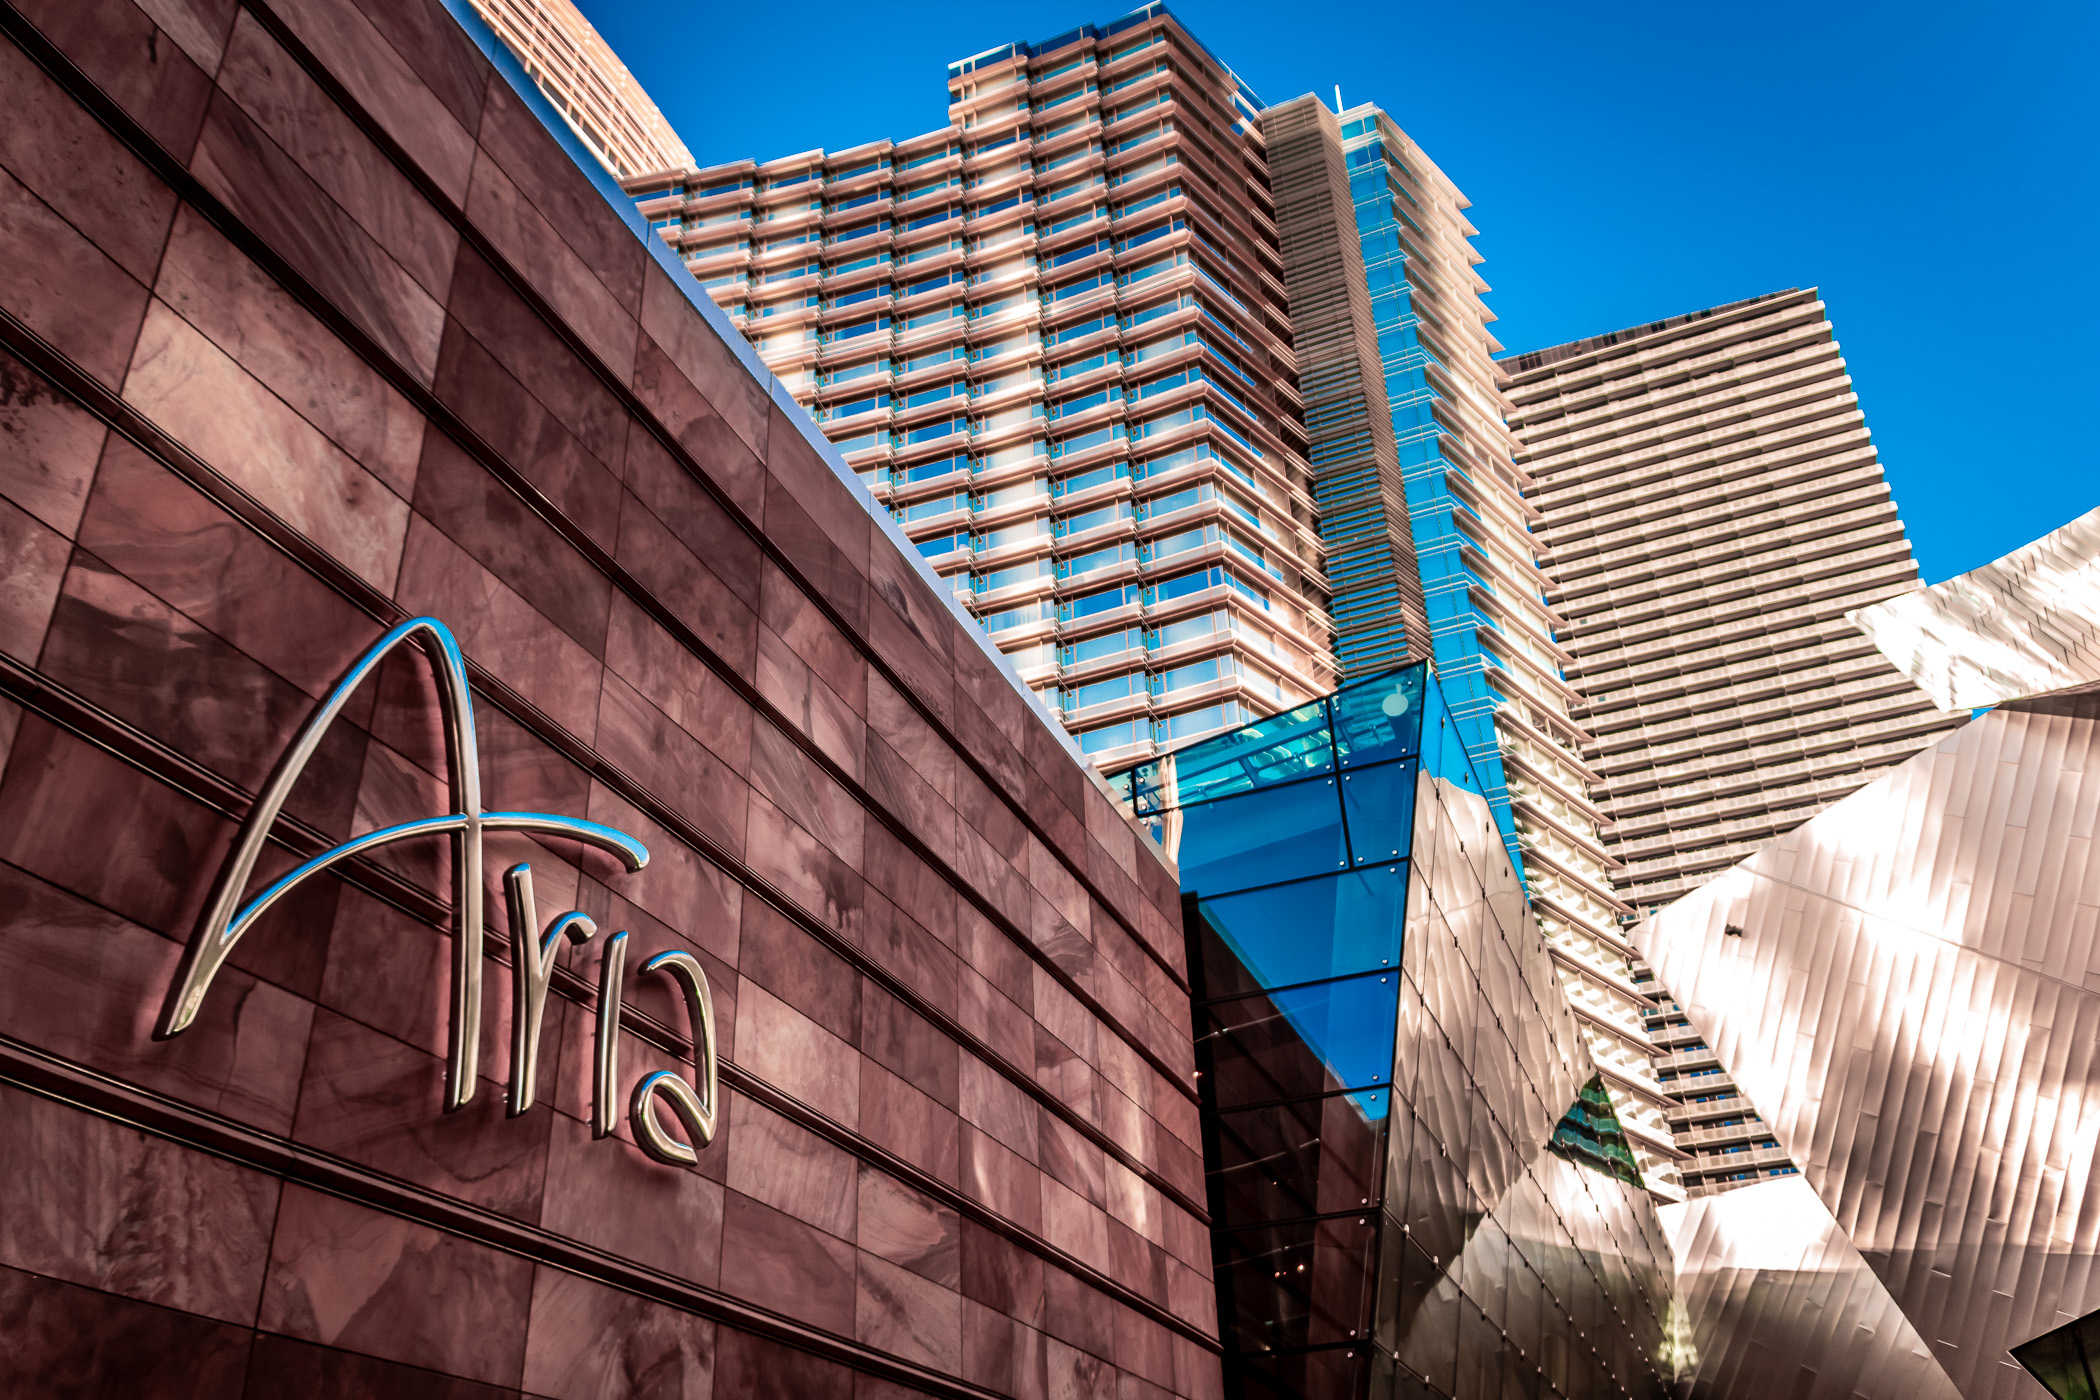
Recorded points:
(2066, 1359)
(1386, 1054)
(1772, 1299)
(1590, 1133)
(605, 1059)
(2022, 625)
(649, 1134)
(1914, 1003)
(695, 1109)
(225, 918)
(531, 965)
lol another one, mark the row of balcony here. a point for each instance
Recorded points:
(1749, 1127)
(1715, 1186)
(1739, 1160)
(1696, 1056)
(1067, 152)
(1179, 425)
(1139, 605)
(876, 317)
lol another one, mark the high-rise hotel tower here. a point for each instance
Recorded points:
(595, 94)
(1052, 338)
(1715, 508)
(1430, 536)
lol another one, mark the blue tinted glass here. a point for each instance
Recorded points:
(1309, 1040)
(1380, 717)
(1443, 745)
(1294, 744)
(1261, 837)
(1315, 928)
(1380, 804)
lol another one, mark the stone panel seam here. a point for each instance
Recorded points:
(78, 1087)
(470, 234)
(121, 739)
(493, 462)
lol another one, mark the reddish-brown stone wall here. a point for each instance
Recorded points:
(310, 326)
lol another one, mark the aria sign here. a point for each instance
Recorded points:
(226, 918)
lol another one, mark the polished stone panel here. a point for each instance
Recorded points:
(789, 1266)
(407, 360)
(527, 436)
(74, 165)
(491, 522)
(117, 645)
(346, 1276)
(161, 533)
(377, 1101)
(139, 65)
(281, 1366)
(588, 1340)
(530, 244)
(51, 447)
(683, 583)
(794, 1171)
(191, 389)
(689, 420)
(64, 1340)
(105, 1206)
(906, 1315)
(562, 194)
(289, 107)
(499, 629)
(386, 79)
(242, 1059)
(239, 164)
(64, 288)
(35, 565)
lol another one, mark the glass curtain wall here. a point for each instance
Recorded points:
(1417, 1185)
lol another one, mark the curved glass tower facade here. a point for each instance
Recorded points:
(1430, 536)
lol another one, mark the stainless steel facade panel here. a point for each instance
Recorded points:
(2018, 626)
(1415, 1180)
(1908, 987)
(1772, 1299)
(1513, 1270)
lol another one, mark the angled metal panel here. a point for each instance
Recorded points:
(2019, 626)
(1772, 1299)
(1913, 1001)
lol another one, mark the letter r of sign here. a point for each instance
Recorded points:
(226, 917)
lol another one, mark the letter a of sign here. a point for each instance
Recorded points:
(226, 918)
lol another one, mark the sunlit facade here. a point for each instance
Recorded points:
(1714, 507)
(1904, 985)
(1052, 339)
(2022, 625)
(1429, 532)
(588, 84)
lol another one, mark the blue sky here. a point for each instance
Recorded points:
(1934, 169)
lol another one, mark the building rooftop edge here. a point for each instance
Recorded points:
(1524, 361)
(623, 207)
(1156, 10)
